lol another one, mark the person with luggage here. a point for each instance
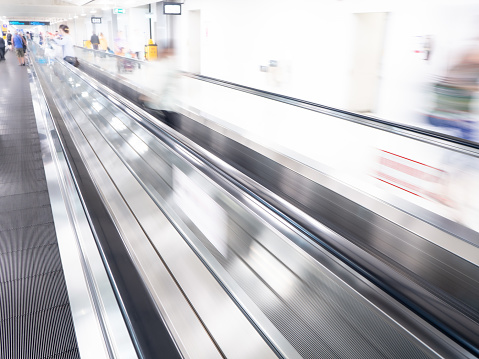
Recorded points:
(65, 41)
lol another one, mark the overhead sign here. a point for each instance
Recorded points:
(40, 23)
(34, 23)
(171, 8)
(119, 10)
(96, 20)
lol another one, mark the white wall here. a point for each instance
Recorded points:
(313, 43)
(310, 40)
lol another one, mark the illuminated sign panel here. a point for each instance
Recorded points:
(34, 23)
(119, 11)
(96, 20)
(171, 8)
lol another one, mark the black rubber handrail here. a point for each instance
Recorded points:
(343, 114)
(109, 54)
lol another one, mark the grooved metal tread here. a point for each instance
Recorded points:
(35, 315)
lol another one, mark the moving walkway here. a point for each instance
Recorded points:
(214, 246)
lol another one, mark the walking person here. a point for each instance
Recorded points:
(65, 41)
(103, 42)
(2, 48)
(95, 41)
(18, 43)
(9, 40)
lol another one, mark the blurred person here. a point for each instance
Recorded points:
(24, 43)
(65, 41)
(162, 91)
(103, 44)
(120, 44)
(95, 41)
(454, 95)
(18, 43)
(136, 45)
(40, 38)
(9, 40)
(2, 48)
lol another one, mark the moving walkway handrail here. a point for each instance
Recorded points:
(101, 52)
(397, 128)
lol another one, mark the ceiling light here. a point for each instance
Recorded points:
(92, 11)
(75, 17)
(83, 14)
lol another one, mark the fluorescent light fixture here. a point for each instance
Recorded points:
(92, 11)
(75, 17)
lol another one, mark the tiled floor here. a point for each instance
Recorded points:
(35, 317)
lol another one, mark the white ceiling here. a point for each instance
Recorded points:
(50, 10)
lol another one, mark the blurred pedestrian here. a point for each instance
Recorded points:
(454, 96)
(18, 42)
(95, 41)
(103, 43)
(120, 44)
(65, 41)
(161, 96)
(9, 40)
(2, 48)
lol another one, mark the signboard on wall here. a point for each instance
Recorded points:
(119, 11)
(96, 20)
(171, 8)
(34, 23)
